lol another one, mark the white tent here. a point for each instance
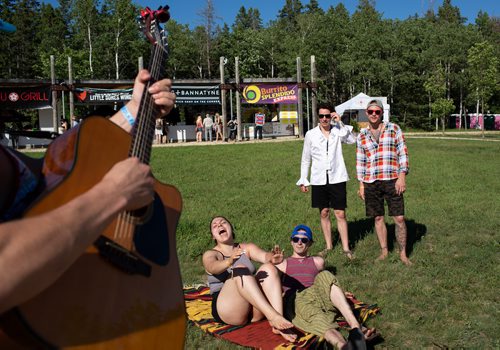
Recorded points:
(357, 105)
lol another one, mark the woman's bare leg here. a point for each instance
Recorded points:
(270, 282)
(250, 290)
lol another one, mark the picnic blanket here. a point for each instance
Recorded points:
(258, 335)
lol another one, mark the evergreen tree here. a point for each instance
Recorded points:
(6, 44)
(23, 54)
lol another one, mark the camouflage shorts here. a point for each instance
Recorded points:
(377, 192)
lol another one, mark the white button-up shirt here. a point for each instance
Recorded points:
(325, 155)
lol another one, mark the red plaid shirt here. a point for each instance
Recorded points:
(384, 160)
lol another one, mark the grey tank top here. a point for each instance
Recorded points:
(215, 282)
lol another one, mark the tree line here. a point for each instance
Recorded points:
(428, 66)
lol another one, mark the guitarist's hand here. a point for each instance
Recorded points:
(133, 181)
(160, 92)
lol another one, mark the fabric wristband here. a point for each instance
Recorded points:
(127, 115)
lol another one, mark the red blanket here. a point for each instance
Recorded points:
(258, 335)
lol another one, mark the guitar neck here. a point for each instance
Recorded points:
(144, 127)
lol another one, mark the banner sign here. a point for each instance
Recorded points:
(196, 94)
(25, 97)
(102, 96)
(188, 94)
(269, 93)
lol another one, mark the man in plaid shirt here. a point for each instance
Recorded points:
(381, 167)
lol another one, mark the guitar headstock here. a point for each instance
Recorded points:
(150, 22)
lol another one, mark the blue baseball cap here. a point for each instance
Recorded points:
(307, 231)
(7, 27)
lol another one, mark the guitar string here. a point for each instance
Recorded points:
(125, 227)
(142, 132)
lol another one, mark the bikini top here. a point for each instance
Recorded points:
(215, 282)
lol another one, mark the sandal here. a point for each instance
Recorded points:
(356, 339)
(370, 334)
(349, 254)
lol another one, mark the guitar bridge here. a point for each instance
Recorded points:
(122, 258)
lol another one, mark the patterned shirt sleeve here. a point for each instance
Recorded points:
(402, 152)
(360, 158)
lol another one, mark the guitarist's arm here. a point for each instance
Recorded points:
(35, 251)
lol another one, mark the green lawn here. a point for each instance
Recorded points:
(448, 298)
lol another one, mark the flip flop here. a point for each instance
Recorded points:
(324, 253)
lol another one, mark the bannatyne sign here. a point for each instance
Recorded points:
(269, 93)
(187, 94)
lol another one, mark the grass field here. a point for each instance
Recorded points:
(448, 298)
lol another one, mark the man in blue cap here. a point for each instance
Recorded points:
(312, 298)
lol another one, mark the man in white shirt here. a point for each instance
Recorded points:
(322, 153)
(208, 123)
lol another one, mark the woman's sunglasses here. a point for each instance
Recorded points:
(374, 111)
(303, 239)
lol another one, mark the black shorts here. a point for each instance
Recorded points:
(377, 192)
(215, 315)
(329, 196)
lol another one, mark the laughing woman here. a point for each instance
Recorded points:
(239, 296)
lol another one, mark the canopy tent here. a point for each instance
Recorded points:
(357, 106)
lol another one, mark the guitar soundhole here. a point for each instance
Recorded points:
(151, 236)
(150, 241)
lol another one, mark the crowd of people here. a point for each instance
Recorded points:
(212, 125)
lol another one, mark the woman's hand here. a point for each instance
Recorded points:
(235, 255)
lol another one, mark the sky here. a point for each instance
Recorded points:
(188, 11)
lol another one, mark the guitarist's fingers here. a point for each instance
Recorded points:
(162, 95)
(165, 100)
(140, 82)
(160, 86)
(133, 180)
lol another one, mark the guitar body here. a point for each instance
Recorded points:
(98, 304)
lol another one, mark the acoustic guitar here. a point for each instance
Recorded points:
(125, 291)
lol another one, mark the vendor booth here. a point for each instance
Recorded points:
(354, 109)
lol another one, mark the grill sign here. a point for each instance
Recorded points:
(25, 97)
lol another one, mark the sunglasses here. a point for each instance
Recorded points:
(302, 239)
(374, 111)
(321, 116)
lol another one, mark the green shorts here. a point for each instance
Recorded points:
(311, 310)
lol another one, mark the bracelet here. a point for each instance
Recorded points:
(127, 115)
